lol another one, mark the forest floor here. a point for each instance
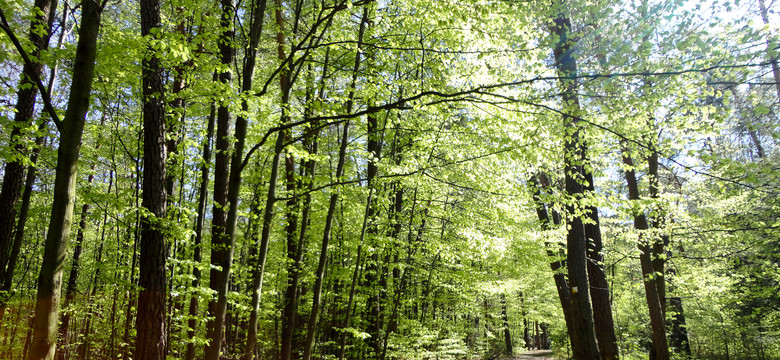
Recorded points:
(532, 355)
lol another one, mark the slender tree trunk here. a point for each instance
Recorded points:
(355, 276)
(50, 279)
(192, 323)
(599, 287)
(258, 265)
(583, 337)
(7, 280)
(660, 350)
(320, 274)
(507, 332)
(295, 253)
(555, 251)
(221, 244)
(132, 297)
(660, 243)
(70, 289)
(13, 175)
(151, 335)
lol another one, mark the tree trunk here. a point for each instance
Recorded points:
(13, 176)
(8, 278)
(258, 265)
(70, 290)
(192, 323)
(151, 335)
(557, 265)
(507, 332)
(355, 276)
(72, 127)
(583, 337)
(599, 287)
(320, 274)
(679, 336)
(660, 350)
(221, 244)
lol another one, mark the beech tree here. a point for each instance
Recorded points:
(389, 180)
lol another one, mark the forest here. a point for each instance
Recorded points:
(389, 179)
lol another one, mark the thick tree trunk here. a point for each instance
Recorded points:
(151, 335)
(660, 350)
(50, 279)
(13, 175)
(583, 337)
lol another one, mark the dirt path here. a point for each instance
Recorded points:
(533, 355)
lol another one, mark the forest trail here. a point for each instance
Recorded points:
(533, 355)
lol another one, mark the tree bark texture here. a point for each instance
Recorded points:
(151, 336)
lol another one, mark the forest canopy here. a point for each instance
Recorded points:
(396, 179)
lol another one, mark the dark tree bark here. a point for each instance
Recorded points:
(660, 349)
(151, 337)
(72, 128)
(373, 268)
(507, 332)
(679, 337)
(14, 175)
(660, 243)
(7, 280)
(221, 246)
(583, 337)
(599, 287)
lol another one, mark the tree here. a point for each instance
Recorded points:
(583, 337)
(71, 130)
(151, 338)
